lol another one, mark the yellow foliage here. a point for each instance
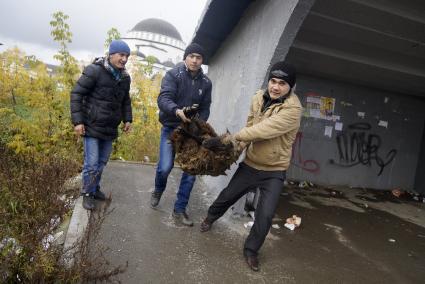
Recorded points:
(35, 116)
(34, 107)
(143, 140)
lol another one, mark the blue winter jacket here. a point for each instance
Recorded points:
(179, 89)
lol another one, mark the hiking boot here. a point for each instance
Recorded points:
(155, 198)
(88, 201)
(205, 226)
(99, 195)
(182, 218)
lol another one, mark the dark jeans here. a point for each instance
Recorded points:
(245, 179)
(164, 167)
(96, 156)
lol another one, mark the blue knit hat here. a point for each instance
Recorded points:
(118, 46)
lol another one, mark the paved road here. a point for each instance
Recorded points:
(340, 241)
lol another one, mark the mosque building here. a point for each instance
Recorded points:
(158, 39)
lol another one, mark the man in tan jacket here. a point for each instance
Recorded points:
(270, 131)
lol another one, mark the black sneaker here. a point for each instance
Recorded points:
(88, 201)
(182, 218)
(155, 198)
(99, 195)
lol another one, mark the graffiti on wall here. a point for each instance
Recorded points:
(358, 147)
(297, 160)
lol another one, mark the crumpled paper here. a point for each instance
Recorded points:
(293, 222)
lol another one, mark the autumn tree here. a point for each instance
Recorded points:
(111, 35)
(61, 34)
(34, 104)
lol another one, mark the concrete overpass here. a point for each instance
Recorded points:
(365, 58)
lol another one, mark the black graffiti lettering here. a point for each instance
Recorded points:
(360, 126)
(357, 147)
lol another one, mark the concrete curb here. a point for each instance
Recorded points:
(77, 226)
(153, 164)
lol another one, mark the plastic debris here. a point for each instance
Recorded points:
(303, 184)
(248, 224)
(419, 198)
(275, 226)
(396, 192)
(290, 226)
(391, 240)
(407, 195)
(10, 243)
(293, 222)
(47, 240)
(54, 222)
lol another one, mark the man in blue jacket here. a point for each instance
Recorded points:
(182, 87)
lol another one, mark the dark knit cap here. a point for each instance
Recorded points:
(194, 48)
(119, 46)
(284, 71)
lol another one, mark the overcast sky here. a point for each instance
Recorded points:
(25, 23)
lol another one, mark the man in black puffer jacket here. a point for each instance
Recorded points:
(99, 102)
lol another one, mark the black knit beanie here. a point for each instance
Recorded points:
(194, 48)
(284, 71)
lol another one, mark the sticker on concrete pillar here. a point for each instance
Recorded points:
(383, 123)
(361, 114)
(327, 107)
(312, 108)
(386, 100)
(338, 126)
(346, 104)
(320, 107)
(328, 131)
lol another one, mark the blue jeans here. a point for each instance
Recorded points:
(164, 167)
(96, 155)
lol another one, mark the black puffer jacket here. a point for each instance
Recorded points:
(101, 102)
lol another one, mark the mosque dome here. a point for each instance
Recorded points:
(157, 26)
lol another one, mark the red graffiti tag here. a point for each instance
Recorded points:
(311, 166)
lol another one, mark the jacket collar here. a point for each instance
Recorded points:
(268, 101)
(117, 74)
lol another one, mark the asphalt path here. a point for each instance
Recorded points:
(339, 241)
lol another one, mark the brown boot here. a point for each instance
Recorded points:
(252, 262)
(205, 225)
